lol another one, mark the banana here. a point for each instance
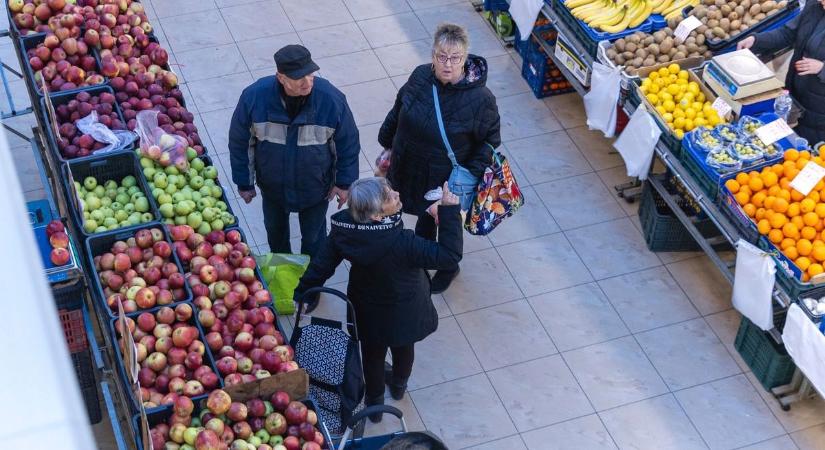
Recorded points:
(576, 3)
(621, 25)
(661, 6)
(642, 14)
(613, 19)
(676, 7)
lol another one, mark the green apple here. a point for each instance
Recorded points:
(101, 229)
(171, 170)
(107, 212)
(111, 184)
(194, 219)
(122, 190)
(186, 447)
(217, 191)
(92, 202)
(197, 164)
(187, 194)
(204, 228)
(196, 182)
(255, 441)
(142, 205)
(155, 191)
(131, 190)
(122, 198)
(180, 220)
(191, 154)
(276, 440)
(227, 218)
(220, 205)
(121, 215)
(110, 222)
(147, 163)
(160, 180)
(190, 434)
(169, 221)
(263, 435)
(196, 422)
(196, 196)
(116, 206)
(129, 207)
(134, 218)
(89, 226)
(99, 191)
(181, 181)
(178, 197)
(129, 181)
(111, 194)
(182, 209)
(147, 217)
(97, 215)
(164, 198)
(210, 172)
(105, 202)
(171, 189)
(167, 210)
(209, 214)
(149, 173)
(172, 179)
(86, 215)
(206, 191)
(134, 197)
(90, 183)
(209, 182)
(217, 224)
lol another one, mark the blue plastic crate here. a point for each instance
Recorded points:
(593, 36)
(496, 5)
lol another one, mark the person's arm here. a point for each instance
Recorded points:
(387, 132)
(445, 253)
(782, 37)
(487, 137)
(320, 269)
(242, 146)
(347, 147)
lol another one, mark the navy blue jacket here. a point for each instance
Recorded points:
(295, 162)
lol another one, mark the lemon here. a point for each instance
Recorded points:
(653, 76)
(698, 105)
(668, 117)
(663, 72)
(690, 113)
(699, 121)
(661, 110)
(673, 68)
(683, 75)
(673, 89)
(689, 125)
(679, 113)
(679, 122)
(652, 98)
(652, 87)
(679, 134)
(700, 97)
(669, 105)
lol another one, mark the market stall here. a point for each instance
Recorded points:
(709, 134)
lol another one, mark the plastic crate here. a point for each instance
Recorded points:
(662, 230)
(541, 73)
(84, 369)
(816, 294)
(496, 5)
(30, 42)
(769, 361)
(61, 98)
(104, 168)
(587, 36)
(788, 276)
(102, 243)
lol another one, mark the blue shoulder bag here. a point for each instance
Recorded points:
(462, 183)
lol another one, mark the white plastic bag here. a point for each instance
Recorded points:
(117, 139)
(806, 345)
(524, 14)
(753, 286)
(637, 142)
(158, 145)
(600, 103)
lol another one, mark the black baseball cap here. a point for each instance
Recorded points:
(295, 62)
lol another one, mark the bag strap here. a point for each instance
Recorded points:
(450, 153)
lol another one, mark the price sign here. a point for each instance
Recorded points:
(808, 177)
(722, 107)
(685, 27)
(774, 131)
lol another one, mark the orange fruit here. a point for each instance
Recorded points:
(760, 214)
(808, 233)
(801, 163)
(806, 205)
(792, 231)
(804, 247)
(756, 184)
(820, 210)
(746, 189)
(820, 185)
(750, 210)
(773, 190)
(814, 195)
(791, 253)
(805, 277)
(742, 197)
(810, 218)
(732, 185)
(742, 178)
(815, 269)
(797, 222)
(785, 183)
(769, 178)
(822, 235)
(818, 253)
(791, 154)
(803, 263)
(778, 169)
(791, 173)
(775, 236)
(793, 209)
(758, 199)
(778, 221)
(763, 226)
(780, 205)
(786, 194)
(797, 196)
(787, 242)
(805, 154)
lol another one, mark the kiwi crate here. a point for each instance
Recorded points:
(768, 360)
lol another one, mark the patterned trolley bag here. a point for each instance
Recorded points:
(497, 198)
(331, 357)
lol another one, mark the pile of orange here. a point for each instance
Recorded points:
(791, 221)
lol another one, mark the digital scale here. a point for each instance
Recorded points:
(744, 81)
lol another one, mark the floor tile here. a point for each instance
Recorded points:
(596, 148)
(535, 391)
(217, 126)
(568, 108)
(353, 68)
(26, 168)
(399, 80)
(476, 243)
(422, 4)
(615, 373)
(370, 101)
(687, 354)
(701, 280)
(518, 174)
(8, 54)
(484, 281)
(461, 412)
(780, 443)
(803, 414)
(524, 116)
(196, 30)
(260, 53)
(586, 432)
(504, 77)
(531, 220)
(810, 439)
(614, 177)
(648, 299)
(244, 21)
(441, 306)
(484, 42)
(334, 40)
(390, 424)
(430, 365)
(520, 336)
(544, 264)
(656, 423)
(219, 93)
(460, 13)
(548, 157)
(510, 443)
(168, 8)
(254, 216)
(578, 201)
(230, 3)
(403, 58)
(729, 413)
(389, 30)
(309, 14)
(368, 9)
(210, 62)
(612, 248)
(19, 94)
(726, 324)
(578, 316)
(368, 135)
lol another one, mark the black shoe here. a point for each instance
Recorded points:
(442, 280)
(397, 389)
(375, 418)
(312, 304)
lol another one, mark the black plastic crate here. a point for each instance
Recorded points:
(30, 42)
(68, 295)
(84, 369)
(102, 243)
(768, 360)
(104, 168)
(662, 230)
(709, 187)
(61, 98)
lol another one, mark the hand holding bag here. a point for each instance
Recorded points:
(462, 183)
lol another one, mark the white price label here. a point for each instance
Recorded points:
(773, 131)
(808, 177)
(685, 27)
(722, 107)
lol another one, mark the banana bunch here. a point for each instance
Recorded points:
(614, 16)
(673, 8)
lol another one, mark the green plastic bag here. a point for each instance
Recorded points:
(282, 271)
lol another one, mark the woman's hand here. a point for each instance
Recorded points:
(808, 66)
(746, 43)
(447, 197)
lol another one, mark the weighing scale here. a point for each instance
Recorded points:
(739, 74)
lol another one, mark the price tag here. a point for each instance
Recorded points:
(722, 107)
(685, 27)
(808, 177)
(774, 131)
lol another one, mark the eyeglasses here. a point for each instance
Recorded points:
(452, 59)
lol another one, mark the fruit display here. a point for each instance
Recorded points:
(790, 220)
(723, 161)
(37, 16)
(63, 61)
(616, 16)
(59, 241)
(724, 19)
(642, 49)
(72, 142)
(274, 422)
(112, 205)
(747, 127)
(730, 147)
(679, 100)
(140, 272)
(192, 197)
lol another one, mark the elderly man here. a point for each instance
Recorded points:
(294, 136)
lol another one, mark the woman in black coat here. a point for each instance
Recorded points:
(388, 283)
(806, 76)
(419, 161)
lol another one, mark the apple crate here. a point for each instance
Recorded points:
(208, 358)
(62, 98)
(162, 416)
(30, 42)
(104, 168)
(258, 273)
(102, 243)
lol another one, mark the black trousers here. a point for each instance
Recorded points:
(313, 222)
(372, 360)
(426, 228)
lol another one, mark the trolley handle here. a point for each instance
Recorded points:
(356, 419)
(304, 298)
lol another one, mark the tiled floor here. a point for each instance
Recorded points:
(563, 331)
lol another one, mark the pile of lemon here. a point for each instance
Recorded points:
(679, 101)
(791, 221)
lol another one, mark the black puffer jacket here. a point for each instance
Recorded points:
(806, 34)
(419, 161)
(388, 284)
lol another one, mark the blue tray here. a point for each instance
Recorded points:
(40, 214)
(597, 36)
